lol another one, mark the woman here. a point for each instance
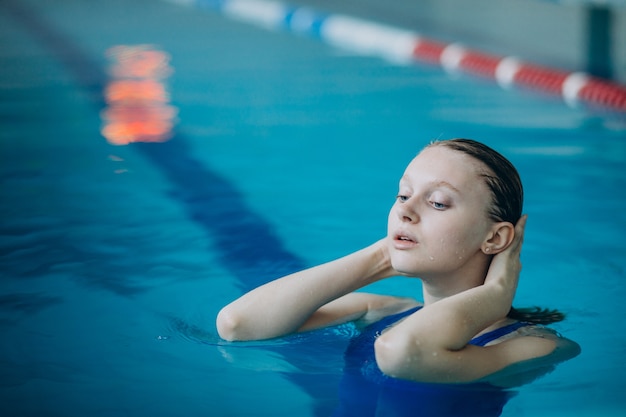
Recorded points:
(457, 226)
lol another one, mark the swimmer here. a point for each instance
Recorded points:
(457, 226)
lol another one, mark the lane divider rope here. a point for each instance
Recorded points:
(404, 46)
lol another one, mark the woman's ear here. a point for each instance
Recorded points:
(499, 238)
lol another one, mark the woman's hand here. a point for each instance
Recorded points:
(506, 266)
(382, 253)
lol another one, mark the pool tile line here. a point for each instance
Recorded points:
(399, 45)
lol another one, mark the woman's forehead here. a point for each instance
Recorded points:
(442, 168)
(446, 162)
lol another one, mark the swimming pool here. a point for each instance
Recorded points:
(286, 153)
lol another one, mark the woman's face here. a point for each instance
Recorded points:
(439, 220)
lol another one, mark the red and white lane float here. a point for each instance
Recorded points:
(400, 45)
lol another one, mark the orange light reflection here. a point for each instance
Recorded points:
(136, 90)
(138, 108)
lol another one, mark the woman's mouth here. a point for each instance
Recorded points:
(404, 241)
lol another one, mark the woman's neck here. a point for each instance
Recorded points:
(442, 286)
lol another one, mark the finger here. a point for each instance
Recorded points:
(521, 223)
(520, 227)
(518, 235)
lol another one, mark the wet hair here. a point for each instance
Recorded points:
(507, 193)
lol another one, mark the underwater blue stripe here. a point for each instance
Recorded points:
(200, 190)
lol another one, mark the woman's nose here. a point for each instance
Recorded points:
(407, 213)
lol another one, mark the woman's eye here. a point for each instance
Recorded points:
(438, 205)
(402, 198)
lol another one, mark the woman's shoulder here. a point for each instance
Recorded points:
(384, 306)
(541, 349)
(535, 333)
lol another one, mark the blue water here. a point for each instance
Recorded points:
(114, 260)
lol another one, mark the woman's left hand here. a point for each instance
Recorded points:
(506, 266)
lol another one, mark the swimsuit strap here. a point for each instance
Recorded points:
(483, 339)
(389, 320)
(372, 331)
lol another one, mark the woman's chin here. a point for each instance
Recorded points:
(405, 269)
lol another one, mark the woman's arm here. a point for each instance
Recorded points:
(364, 308)
(432, 344)
(288, 304)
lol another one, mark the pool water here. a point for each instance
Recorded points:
(285, 153)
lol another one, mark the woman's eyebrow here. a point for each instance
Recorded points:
(446, 184)
(405, 180)
(434, 183)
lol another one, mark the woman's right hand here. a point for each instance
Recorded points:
(382, 253)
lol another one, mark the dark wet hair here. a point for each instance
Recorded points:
(507, 194)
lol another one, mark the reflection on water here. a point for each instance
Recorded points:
(138, 108)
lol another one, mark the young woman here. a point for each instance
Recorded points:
(457, 225)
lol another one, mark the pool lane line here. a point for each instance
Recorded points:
(405, 46)
(245, 242)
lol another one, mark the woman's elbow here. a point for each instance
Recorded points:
(407, 358)
(396, 356)
(228, 325)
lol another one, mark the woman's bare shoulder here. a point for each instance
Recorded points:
(540, 348)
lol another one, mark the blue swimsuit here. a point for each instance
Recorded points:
(365, 390)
